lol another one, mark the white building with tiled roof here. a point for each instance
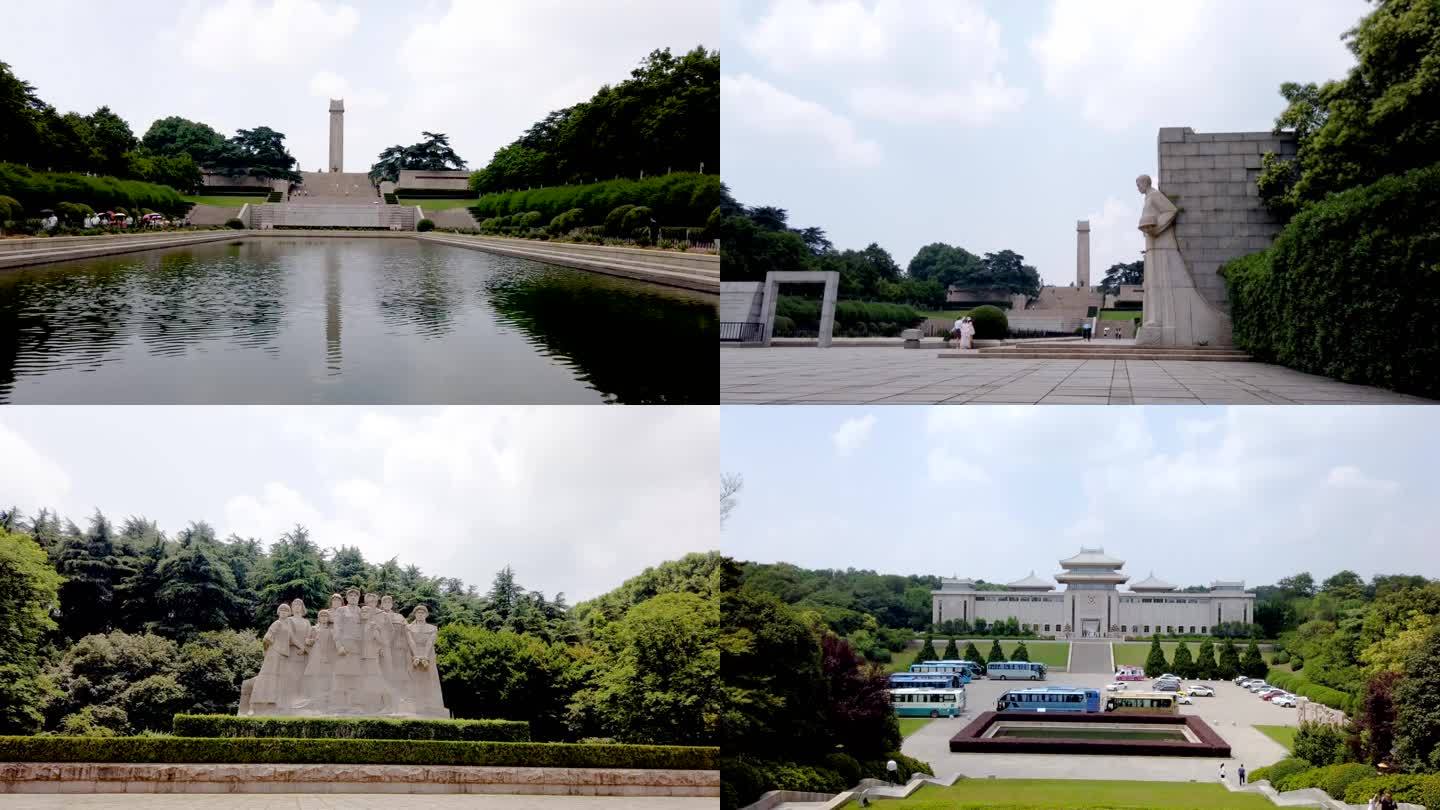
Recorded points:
(1092, 605)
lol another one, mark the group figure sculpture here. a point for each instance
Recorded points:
(355, 660)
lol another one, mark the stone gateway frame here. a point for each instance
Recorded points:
(773, 280)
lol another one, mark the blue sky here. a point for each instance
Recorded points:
(479, 70)
(1196, 494)
(575, 498)
(997, 125)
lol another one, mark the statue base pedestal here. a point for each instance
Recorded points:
(1151, 334)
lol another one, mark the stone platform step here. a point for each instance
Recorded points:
(1129, 353)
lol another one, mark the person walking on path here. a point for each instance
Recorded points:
(1222, 773)
(1241, 774)
(1387, 802)
(1085, 330)
(967, 333)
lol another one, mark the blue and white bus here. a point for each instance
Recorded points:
(927, 680)
(1049, 699)
(1016, 671)
(927, 702)
(966, 669)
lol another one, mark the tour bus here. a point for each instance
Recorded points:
(1142, 703)
(1049, 699)
(927, 702)
(1016, 671)
(966, 669)
(927, 680)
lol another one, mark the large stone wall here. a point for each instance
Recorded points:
(1211, 178)
(447, 180)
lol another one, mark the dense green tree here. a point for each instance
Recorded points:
(997, 655)
(99, 670)
(1417, 712)
(1155, 663)
(92, 566)
(432, 153)
(197, 589)
(1122, 273)
(1021, 653)
(952, 652)
(1375, 718)
(135, 604)
(20, 113)
(945, 264)
(500, 674)
(1228, 661)
(175, 136)
(211, 667)
(926, 651)
(858, 712)
(1252, 664)
(258, 152)
(112, 139)
(1183, 665)
(660, 683)
(1344, 586)
(29, 594)
(972, 653)
(348, 569)
(1205, 665)
(1298, 585)
(296, 570)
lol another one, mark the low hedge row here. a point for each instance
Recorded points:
(275, 751)
(351, 728)
(672, 198)
(1300, 685)
(1352, 782)
(1280, 770)
(435, 194)
(1421, 789)
(37, 190)
(1350, 289)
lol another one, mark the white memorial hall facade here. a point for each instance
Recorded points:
(1092, 604)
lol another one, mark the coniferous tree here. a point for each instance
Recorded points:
(972, 653)
(1155, 663)
(1229, 661)
(135, 594)
(927, 651)
(1021, 653)
(197, 588)
(1205, 666)
(297, 570)
(1183, 664)
(997, 655)
(92, 566)
(348, 569)
(1253, 664)
(952, 652)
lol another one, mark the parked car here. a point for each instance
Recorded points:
(1288, 701)
(1256, 686)
(1200, 690)
(1241, 680)
(1166, 686)
(1169, 676)
(1116, 687)
(1270, 694)
(1129, 673)
(1181, 697)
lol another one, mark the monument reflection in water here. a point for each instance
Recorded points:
(356, 659)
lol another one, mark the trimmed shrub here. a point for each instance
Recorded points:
(636, 218)
(359, 728)
(1336, 779)
(37, 190)
(847, 766)
(990, 322)
(352, 752)
(1300, 685)
(10, 208)
(568, 221)
(784, 327)
(1422, 789)
(1351, 288)
(677, 198)
(615, 220)
(1280, 770)
(1321, 743)
(425, 225)
(530, 219)
(235, 223)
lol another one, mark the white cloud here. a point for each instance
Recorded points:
(28, 476)
(236, 34)
(752, 107)
(1351, 478)
(921, 61)
(1130, 63)
(852, 434)
(951, 467)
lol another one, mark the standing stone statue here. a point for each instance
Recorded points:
(424, 677)
(349, 642)
(396, 661)
(374, 695)
(320, 669)
(1175, 312)
(292, 668)
(265, 694)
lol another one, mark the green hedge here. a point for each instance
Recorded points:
(1300, 685)
(1422, 789)
(435, 194)
(852, 318)
(991, 323)
(37, 190)
(1280, 770)
(352, 752)
(372, 728)
(681, 198)
(1351, 288)
(743, 780)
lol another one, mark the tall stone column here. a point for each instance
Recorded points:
(1082, 253)
(337, 134)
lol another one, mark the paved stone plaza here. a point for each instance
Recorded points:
(292, 801)
(854, 375)
(1232, 713)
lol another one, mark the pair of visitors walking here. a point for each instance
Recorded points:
(964, 331)
(1239, 773)
(1382, 801)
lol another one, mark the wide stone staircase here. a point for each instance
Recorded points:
(337, 187)
(213, 214)
(1076, 349)
(333, 215)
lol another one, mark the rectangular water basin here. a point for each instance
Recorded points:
(1084, 733)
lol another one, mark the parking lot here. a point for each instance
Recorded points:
(1232, 713)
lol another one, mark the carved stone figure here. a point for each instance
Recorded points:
(355, 660)
(1175, 312)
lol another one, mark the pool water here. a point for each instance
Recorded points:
(1091, 734)
(314, 320)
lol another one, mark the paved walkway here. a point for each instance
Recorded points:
(847, 375)
(342, 801)
(1091, 656)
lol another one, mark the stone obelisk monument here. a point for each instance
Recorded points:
(337, 134)
(1082, 253)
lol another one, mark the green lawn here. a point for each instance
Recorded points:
(1076, 794)
(225, 200)
(1285, 735)
(1053, 654)
(1134, 652)
(910, 725)
(947, 315)
(1119, 314)
(439, 205)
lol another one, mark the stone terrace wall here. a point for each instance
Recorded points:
(447, 180)
(1211, 177)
